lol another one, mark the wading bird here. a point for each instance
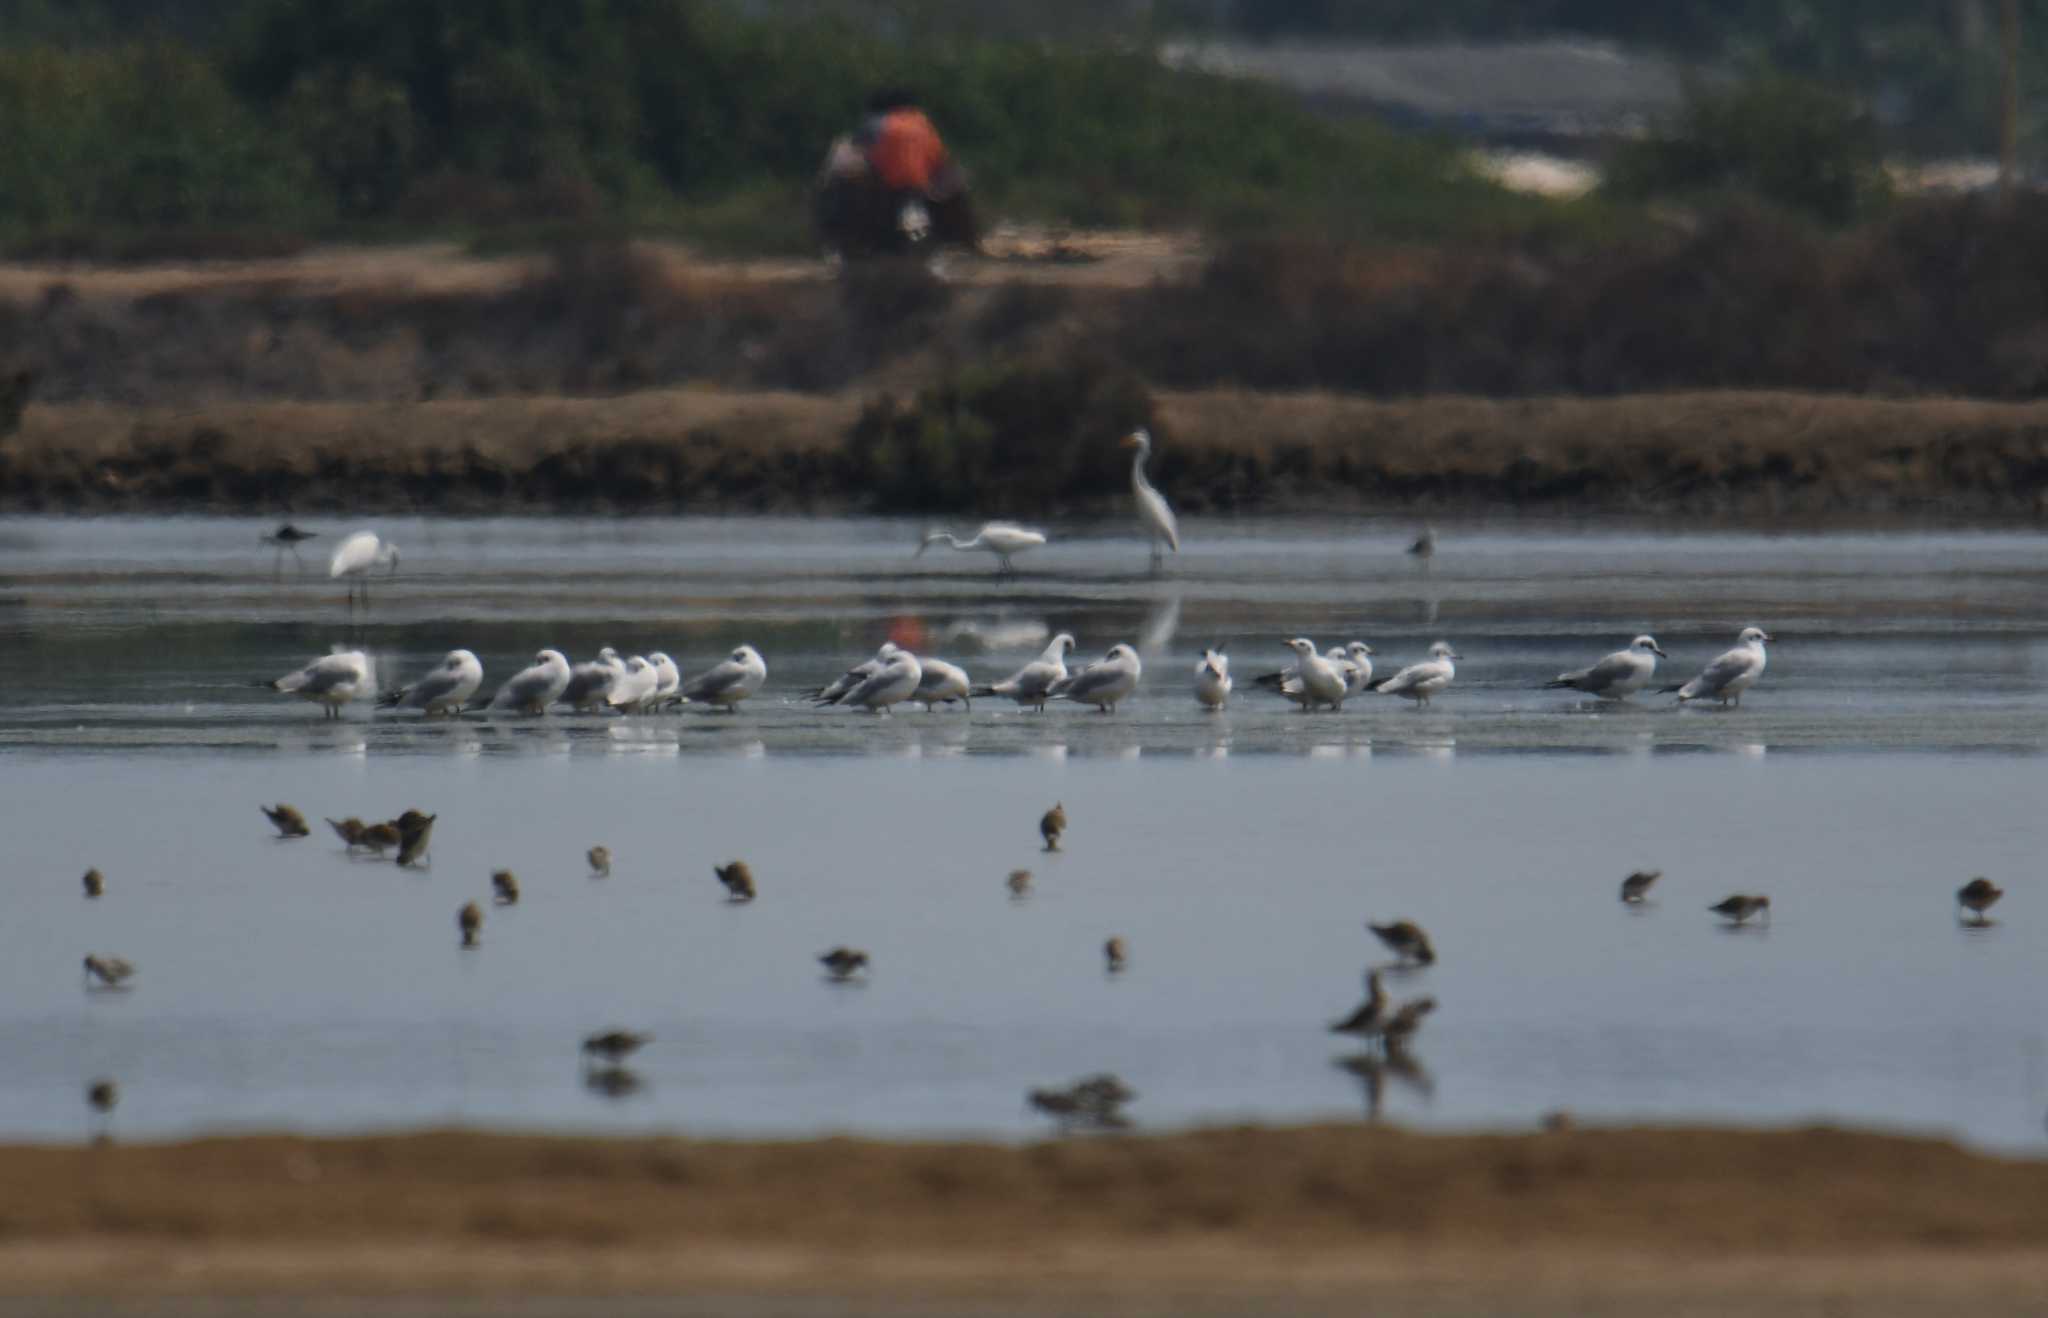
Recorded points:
(615, 1045)
(600, 859)
(843, 963)
(1212, 679)
(1729, 676)
(738, 880)
(532, 689)
(330, 681)
(999, 538)
(1161, 528)
(1636, 887)
(730, 682)
(1102, 683)
(1052, 824)
(1032, 684)
(1418, 682)
(1978, 896)
(1019, 883)
(1115, 956)
(505, 887)
(354, 558)
(469, 920)
(286, 819)
(1405, 939)
(288, 538)
(111, 972)
(95, 883)
(1739, 908)
(1617, 676)
(444, 690)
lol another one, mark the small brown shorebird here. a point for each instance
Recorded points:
(1371, 1016)
(413, 849)
(1115, 956)
(1738, 909)
(1405, 1021)
(1019, 883)
(1104, 1090)
(1095, 1103)
(95, 883)
(110, 971)
(1405, 939)
(1636, 886)
(1425, 543)
(600, 859)
(101, 1096)
(505, 887)
(1052, 825)
(349, 830)
(615, 1045)
(1978, 896)
(843, 963)
(738, 880)
(288, 821)
(470, 920)
(380, 838)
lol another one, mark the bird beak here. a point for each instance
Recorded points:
(1658, 650)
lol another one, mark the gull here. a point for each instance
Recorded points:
(843, 963)
(1405, 939)
(1313, 681)
(95, 883)
(1160, 526)
(634, 687)
(355, 556)
(667, 680)
(589, 684)
(1418, 682)
(1733, 673)
(1032, 684)
(999, 538)
(110, 971)
(1104, 682)
(942, 684)
(470, 921)
(738, 880)
(1052, 825)
(1740, 907)
(615, 1045)
(600, 859)
(1356, 665)
(1371, 1014)
(854, 676)
(1619, 675)
(1212, 679)
(442, 691)
(332, 680)
(1978, 896)
(532, 689)
(288, 821)
(728, 683)
(1115, 956)
(1636, 887)
(894, 682)
(505, 887)
(288, 537)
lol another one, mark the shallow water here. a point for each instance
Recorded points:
(1892, 750)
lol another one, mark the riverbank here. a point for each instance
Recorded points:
(1302, 1219)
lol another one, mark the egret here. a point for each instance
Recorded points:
(1617, 676)
(1418, 682)
(355, 556)
(332, 680)
(1153, 511)
(442, 691)
(999, 538)
(1729, 676)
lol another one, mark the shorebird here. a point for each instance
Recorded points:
(1978, 896)
(1424, 547)
(288, 538)
(1032, 684)
(1153, 511)
(1102, 683)
(101, 1096)
(470, 920)
(1371, 1015)
(95, 883)
(600, 859)
(1052, 824)
(415, 830)
(505, 887)
(615, 1045)
(1114, 956)
(1406, 1020)
(1636, 887)
(349, 830)
(1096, 1102)
(844, 963)
(331, 680)
(1019, 883)
(110, 971)
(353, 559)
(532, 689)
(942, 684)
(730, 682)
(1738, 909)
(287, 820)
(1729, 676)
(738, 880)
(1212, 679)
(1616, 677)
(1405, 939)
(380, 838)
(999, 538)
(1418, 682)
(444, 690)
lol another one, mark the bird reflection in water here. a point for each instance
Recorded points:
(1373, 1070)
(613, 1082)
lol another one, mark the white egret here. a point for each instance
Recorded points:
(1153, 511)
(891, 684)
(1104, 682)
(531, 690)
(1032, 684)
(730, 682)
(331, 680)
(1418, 682)
(590, 684)
(355, 556)
(941, 684)
(443, 691)
(1618, 675)
(1729, 676)
(999, 538)
(1212, 679)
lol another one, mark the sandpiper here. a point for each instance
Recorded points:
(1019, 883)
(600, 859)
(615, 1045)
(380, 838)
(1371, 1016)
(738, 880)
(287, 819)
(1405, 939)
(1052, 825)
(1636, 886)
(1740, 907)
(1978, 896)
(505, 887)
(349, 830)
(95, 883)
(101, 1096)
(1405, 1021)
(470, 920)
(844, 962)
(1114, 956)
(110, 971)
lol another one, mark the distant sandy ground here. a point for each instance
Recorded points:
(1336, 1219)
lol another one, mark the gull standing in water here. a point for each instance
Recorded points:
(831, 693)
(942, 684)
(999, 538)
(353, 559)
(1418, 682)
(1104, 682)
(443, 691)
(1160, 525)
(1733, 673)
(891, 684)
(1313, 681)
(531, 690)
(1619, 675)
(1356, 667)
(590, 684)
(1032, 684)
(667, 680)
(635, 687)
(730, 682)
(332, 680)
(1212, 679)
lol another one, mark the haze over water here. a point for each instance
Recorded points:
(1892, 750)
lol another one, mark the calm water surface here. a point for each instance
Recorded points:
(1893, 750)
